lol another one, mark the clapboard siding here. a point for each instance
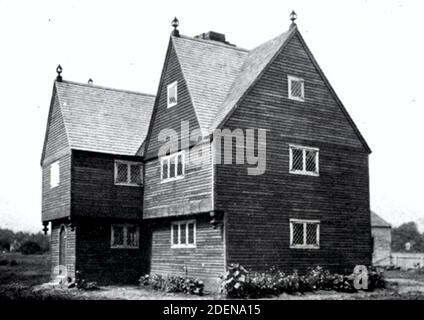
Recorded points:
(191, 194)
(97, 261)
(170, 118)
(258, 208)
(70, 248)
(205, 262)
(56, 202)
(94, 193)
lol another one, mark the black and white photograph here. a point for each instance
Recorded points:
(218, 150)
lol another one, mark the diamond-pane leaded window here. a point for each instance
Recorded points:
(117, 236)
(296, 88)
(124, 236)
(135, 174)
(183, 234)
(128, 173)
(172, 166)
(297, 160)
(297, 233)
(122, 172)
(304, 160)
(304, 234)
(310, 156)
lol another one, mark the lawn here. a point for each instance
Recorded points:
(22, 276)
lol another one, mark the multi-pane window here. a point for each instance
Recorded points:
(124, 236)
(183, 234)
(172, 166)
(54, 174)
(304, 160)
(304, 234)
(128, 173)
(296, 88)
(172, 94)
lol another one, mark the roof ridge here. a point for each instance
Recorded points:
(106, 88)
(212, 42)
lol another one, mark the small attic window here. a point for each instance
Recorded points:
(172, 94)
(296, 88)
(54, 174)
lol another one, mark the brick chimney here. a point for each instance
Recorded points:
(212, 35)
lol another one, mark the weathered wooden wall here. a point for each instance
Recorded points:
(70, 248)
(97, 261)
(259, 207)
(94, 193)
(382, 240)
(191, 194)
(205, 262)
(56, 201)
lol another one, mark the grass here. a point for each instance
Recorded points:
(21, 274)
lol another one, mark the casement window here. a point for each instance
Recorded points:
(172, 94)
(296, 88)
(124, 236)
(183, 234)
(54, 174)
(128, 173)
(304, 160)
(304, 234)
(172, 166)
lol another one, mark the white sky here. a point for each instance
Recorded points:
(371, 51)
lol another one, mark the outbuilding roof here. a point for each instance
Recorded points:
(377, 221)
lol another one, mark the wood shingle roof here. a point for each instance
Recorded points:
(101, 119)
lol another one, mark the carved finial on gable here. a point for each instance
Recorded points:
(293, 17)
(59, 71)
(175, 23)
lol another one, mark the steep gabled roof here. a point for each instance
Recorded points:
(210, 69)
(377, 221)
(254, 65)
(101, 119)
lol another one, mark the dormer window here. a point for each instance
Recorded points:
(172, 94)
(54, 174)
(296, 88)
(128, 173)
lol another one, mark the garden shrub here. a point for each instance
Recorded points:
(173, 284)
(83, 284)
(237, 282)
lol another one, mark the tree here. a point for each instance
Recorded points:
(407, 232)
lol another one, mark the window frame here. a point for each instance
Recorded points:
(171, 85)
(302, 81)
(303, 171)
(305, 245)
(55, 164)
(125, 228)
(180, 245)
(128, 164)
(168, 159)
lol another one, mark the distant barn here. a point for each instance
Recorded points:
(381, 232)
